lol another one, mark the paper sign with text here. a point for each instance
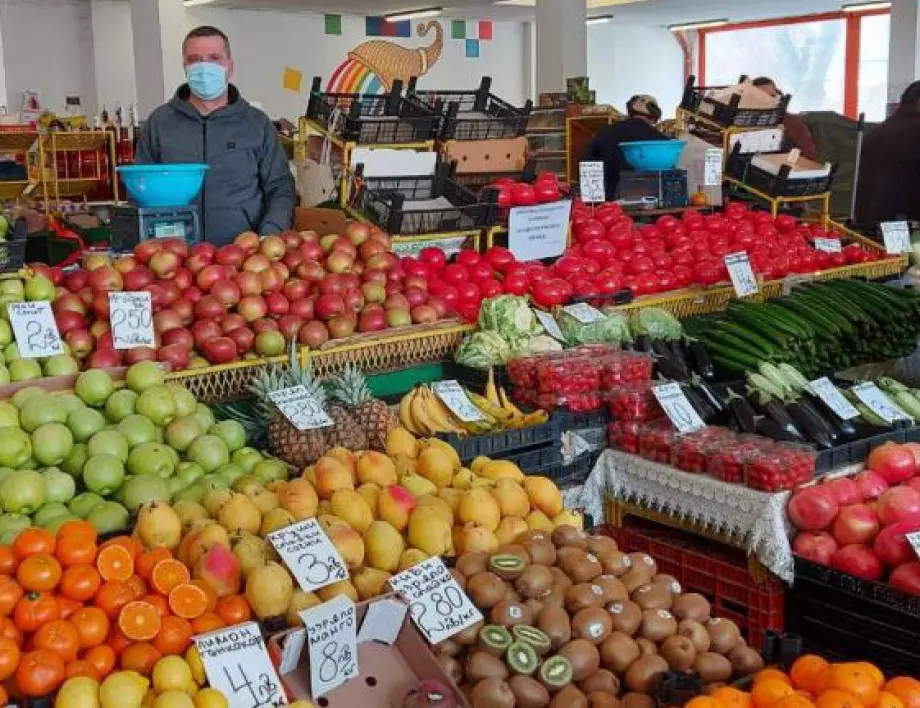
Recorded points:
(824, 389)
(382, 621)
(450, 246)
(291, 650)
(332, 638)
(583, 312)
(591, 182)
(896, 235)
(299, 407)
(541, 231)
(739, 270)
(307, 551)
(35, 330)
(712, 167)
(131, 320)
(550, 325)
(879, 403)
(674, 402)
(454, 397)
(828, 245)
(914, 540)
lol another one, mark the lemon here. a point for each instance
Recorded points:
(78, 692)
(149, 699)
(123, 689)
(171, 673)
(193, 659)
(210, 698)
(174, 699)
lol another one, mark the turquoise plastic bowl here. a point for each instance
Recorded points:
(163, 185)
(646, 155)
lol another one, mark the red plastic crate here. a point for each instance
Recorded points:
(713, 570)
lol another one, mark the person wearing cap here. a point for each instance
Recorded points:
(642, 115)
(795, 132)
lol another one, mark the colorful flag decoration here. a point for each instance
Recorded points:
(333, 24)
(379, 27)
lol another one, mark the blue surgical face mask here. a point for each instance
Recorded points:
(206, 79)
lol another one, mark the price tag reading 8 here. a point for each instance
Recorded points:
(742, 275)
(131, 320)
(455, 398)
(331, 633)
(438, 606)
(879, 403)
(896, 235)
(33, 326)
(307, 551)
(676, 406)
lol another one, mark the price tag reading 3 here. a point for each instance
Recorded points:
(879, 403)
(307, 551)
(591, 182)
(550, 325)
(35, 330)
(331, 634)
(132, 323)
(455, 398)
(896, 235)
(299, 407)
(824, 389)
(583, 312)
(828, 245)
(678, 408)
(743, 278)
(438, 606)
(238, 666)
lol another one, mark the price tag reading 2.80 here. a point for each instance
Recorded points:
(132, 323)
(438, 606)
(307, 551)
(35, 330)
(331, 631)
(676, 406)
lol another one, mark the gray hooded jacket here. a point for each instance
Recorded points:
(248, 187)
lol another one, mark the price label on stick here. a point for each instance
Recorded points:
(824, 389)
(873, 397)
(712, 167)
(674, 402)
(583, 312)
(299, 407)
(307, 551)
(541, 231)
(896, 235)
(331, 635)
(437, 605)
(914, 540)
(35, 330)
(238, 666)
(455, 398)
(131, 320)
(741, 273)
(828, 245)
(550, 325)
(591, 182)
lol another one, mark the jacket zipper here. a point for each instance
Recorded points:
(204, 136)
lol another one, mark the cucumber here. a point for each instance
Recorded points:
(748, 360)
(745, 334)
(730, 340)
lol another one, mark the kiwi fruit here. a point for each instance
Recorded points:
(583, 656)
(644, 561)
(486, 589)
(507, 566)
(653, 597)
(669, 580)
(540, 551)
(472, 563)
(593, 624)
(635, 578)
(712, 667)
(459, 577)
(515, 549)
(447, 648)
(626, 615)
(555, 673)
(679, 652)
(614, 590)
(646, 647)
(642, 674)
(569, 697)
(583, 595)
(566, 558)
(528, 692)
(724, 633)
(494, 640)
(601, 544)
(511, 594)
(481, 666)
(657, 625)
(569, 537)
(745, 661)
(535, 606)
(691, 606)
(554, 622)
(601, 699)
(697, 634)
(638, 700)
(619, 651)
(536, 581)
(492, 693)
(469, 635)
(451, 667)
(521, 658)
(601, 680)
(614, 562)
(560, 579)
(587, 569)
(536, 638)
(507, 614)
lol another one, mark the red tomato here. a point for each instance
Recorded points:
(547, 293)
(433, 256)
(480, 272)
(707, 272)
(667, 281)
(504, 199)
(584, 288)
(547, 192)
(468, 292)
(647, 283)
(589, 230)
(786, 223)
(499, 257)
(468, 257)
(455, 274)
(515, 284)
(640, 264)
(684, 275)
(597, 249)
(523, 195)
(666, 222)
(608, 282)
(490, 288)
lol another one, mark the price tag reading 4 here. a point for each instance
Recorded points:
(331, 632)
(743, 278)
(238, 666)
(591, 182)
(299, 407)
(307, 551)
(583, 312)
(828, 245)
(879, 403)
(678, 408)
(896, 235)
(132, 323)
(824, 389)
(438, 606)
(35, 330)
(550, 325)
(455, 398)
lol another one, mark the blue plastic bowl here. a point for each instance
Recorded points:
(163, 185)
(645, 155)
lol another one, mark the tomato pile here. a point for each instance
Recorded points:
(546, 188)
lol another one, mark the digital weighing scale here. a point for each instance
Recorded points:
(653, 189)
(133, 224)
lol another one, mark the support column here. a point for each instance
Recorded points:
(562, 43)
(903, 48)
(3, 98)
(158, 27)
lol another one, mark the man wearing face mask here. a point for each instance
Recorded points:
(248, 186)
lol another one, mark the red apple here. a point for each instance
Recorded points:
(272, 280)
(264, 325)
(191, 294)
(313, 334)
(203, 330)
(101, 305)
(76, 280)
(209, 275)
(209, 308)
(332, 284)
(381, 261)
(248, 241)
(374, 292)
(372, 321)
(171, 291)
(415, 281)
(339, 262)
(439, 305)
(272, 247)
(105, 279)
(357, 232)
(290, 325)
(374, 276)
(244, 338)
(196, 262)
(230, 255)
(302, 308)
(145, 250)
(248, 283)
(296, 289)
(125, 264)
(399, 317)
(165, 263)
(138, 279)
(252, 307)
(327, 242)
(345, 246)
(354, 300)
(138, 354)
(91, 261)
(341, 327)
(232, 321)
(69, 303)
(311, 251)
(227, 292)
(256, 263)
(291, 239)
(277, 304)
(174, 355)
(183, 278)
(80, 342)
(105, 341)
(396, 300)
(292, 259)
(98, 329)
(176, 245)
(178, 336)
(104, 359)
(220, 350)
(165, 320)
(311, 271)
(423, 314)
(282, 269)
(204, 250)
(185, 309)
(328, 306)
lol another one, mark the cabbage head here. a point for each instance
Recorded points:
(483, 350)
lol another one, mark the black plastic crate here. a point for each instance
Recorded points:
(566, 476)
(372, 119)
(473, 115)
(573, 421)
(741, 167)
(506, 444)
(13, 251)
(858, 450)
(730, 114)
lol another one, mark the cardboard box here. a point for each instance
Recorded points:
(322, 221)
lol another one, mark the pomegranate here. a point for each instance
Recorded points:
(845, 491)
(895, 463)
(899, 504)
(856, 523)
(813, 508)
(906, 577)
(858, 560)
(816, 547)
(891, 544)
(871, 484)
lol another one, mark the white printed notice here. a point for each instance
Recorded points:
(382, 621)
(674, 402)
(437, 605)
(879, 403)
(712, 167)
(591, 182)
(550, 325)
(541, 231)
(831, 396)
(131, 320)
(454, 397)
(739, 270)
(238, 666)
(35, 329)
(828, 245)
(583, 312)
(299, 407)
(896, 235)
(333, 648)
(307, 551)
(450, 246)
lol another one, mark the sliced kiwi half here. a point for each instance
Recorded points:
(536, 638)
(494, 639)
(507, 566)
(521, 658)
(556, 673)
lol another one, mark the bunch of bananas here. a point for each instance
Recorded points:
(423, 413)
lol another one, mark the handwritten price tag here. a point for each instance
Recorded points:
(299, 407)
(550, 325)
(238, 666)
(541, 231)
(674, 402)
(914, 540)
(35, 330)
(307, 551)
(879, 403)
(739, 270)
(828, 245)
(437, 605)
(896, 235)
(583, 312)
(131, 320)
(824, 389)
(331, 636)
(591, 182)
(712, 167)
(455, 398)
(791, 281)
(450, 246)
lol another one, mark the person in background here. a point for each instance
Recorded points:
(642, 115)
(888, 187)
(248, 185)
(795, 131)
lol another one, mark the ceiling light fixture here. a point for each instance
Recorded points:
(194, 3)
(599, 20)
(703, 24)
(860, 6)
(414, 14)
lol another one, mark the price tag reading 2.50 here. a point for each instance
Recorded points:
(132, 323)
(34, 328)
(676, 406)
(331, 631)
(307, 551)
(438, 606)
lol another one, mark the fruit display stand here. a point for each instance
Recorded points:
(26, 143)
(60, 182)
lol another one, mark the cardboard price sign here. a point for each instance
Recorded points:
(591, 182)
(331, 635)
(131, 319)
(739, 270)
(583, 312)
(550, 325)
(299, 407)
(307, 551)
(35, 330)
(828, 245)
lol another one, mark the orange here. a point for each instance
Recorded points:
(112, 596)
(126, 542)
(102, 658)
(855, 678)
(770, 691)
(835, 698)
(208, 622)
(905, 688)
(174, 636)
(137, 584)
(770, 673)
(233, 609)
(702, 702)
(806, 671)
(139, 621)
(188, 601)
(159, 602)
(728, 697)
(167, 574)
(118, 641)
(115, 563)
(796, 700)
(888, 700)
(81, 667)
(140, 657)
(147, 561)
(208, 592)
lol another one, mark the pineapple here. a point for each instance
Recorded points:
(372, 415)
(345, 431)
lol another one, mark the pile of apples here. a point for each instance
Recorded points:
(214, 305)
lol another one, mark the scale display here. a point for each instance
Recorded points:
(131, 225)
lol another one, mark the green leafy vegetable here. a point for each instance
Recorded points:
(482, 350)
(656, 323)
(509, 315)
(611, 328)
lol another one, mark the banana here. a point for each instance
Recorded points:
(487, 409)
(508, 405)
(491, 392)
(538, 417)
(419, 416)
(405, 412)
(439, 417)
